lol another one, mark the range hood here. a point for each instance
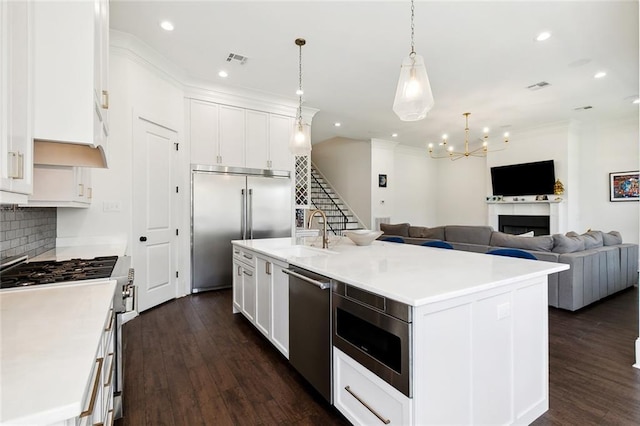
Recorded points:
(68, 154)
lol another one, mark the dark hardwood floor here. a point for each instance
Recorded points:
(191, 362)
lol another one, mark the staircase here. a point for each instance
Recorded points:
(323, 197)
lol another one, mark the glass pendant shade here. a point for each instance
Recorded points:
(413, 95)
(300, 142)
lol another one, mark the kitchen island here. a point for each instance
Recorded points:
(56, 357)
(479, 351)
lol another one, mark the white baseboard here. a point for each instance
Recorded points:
(637, 364)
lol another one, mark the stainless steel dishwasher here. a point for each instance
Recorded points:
(310, 328)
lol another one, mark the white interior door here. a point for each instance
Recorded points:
(154, 217)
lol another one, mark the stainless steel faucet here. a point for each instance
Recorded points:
(325, 241)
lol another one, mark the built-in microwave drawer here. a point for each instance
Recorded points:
(364, 398)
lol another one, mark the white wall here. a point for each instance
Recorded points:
(415, 177)
(383, 199)
(346, 164)
(605, 147)
(460, 191)
(133, 86)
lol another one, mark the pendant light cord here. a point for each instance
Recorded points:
(300, 43)
(413, 51)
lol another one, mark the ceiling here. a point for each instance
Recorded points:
(480, 58)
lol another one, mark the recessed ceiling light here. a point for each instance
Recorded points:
(166, 25)
(394, 135)
(543, 36)
(223, 74)
(337, 124)
(600, 74)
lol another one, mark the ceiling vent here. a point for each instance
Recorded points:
(234, 57)
(583, 108)
(538, 86)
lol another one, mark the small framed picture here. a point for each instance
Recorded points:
(623, 186)
(382, 181)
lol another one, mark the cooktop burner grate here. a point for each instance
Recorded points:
(49, 272)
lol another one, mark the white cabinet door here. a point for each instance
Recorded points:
(257, 140)
(232, 134)
(264, 276)
(61, 186)
(68, 107)
(280, 308)
(249, 293)
(280, 128)
(237, 287)
(16, 146)
(203, 132)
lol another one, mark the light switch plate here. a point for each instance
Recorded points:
(111, 206)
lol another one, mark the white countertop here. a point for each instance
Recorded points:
(88, 251)
(50, 337)
(409, 273)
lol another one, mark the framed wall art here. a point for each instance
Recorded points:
(623, 186)
(382, 181)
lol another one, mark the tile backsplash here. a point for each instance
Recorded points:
(27, 230)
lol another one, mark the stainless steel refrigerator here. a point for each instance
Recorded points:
(233, 204)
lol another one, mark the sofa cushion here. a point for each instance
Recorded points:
(436, 233)
(539, 243)
(592, 239)
(567, 244)
(611, 238)
(400, 229)
(468, 234)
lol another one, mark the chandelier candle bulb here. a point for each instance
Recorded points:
(480, 151)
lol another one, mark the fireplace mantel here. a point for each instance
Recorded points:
(555, 209)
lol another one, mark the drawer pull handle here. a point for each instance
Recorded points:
(367, 406)
(248, 273)
(94, 391)
(247, 256)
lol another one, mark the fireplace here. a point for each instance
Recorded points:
(519, 224)
(555, 210)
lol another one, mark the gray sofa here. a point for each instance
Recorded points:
(600, 264)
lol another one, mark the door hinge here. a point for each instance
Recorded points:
(176, 274)
(176, 232)
(176, 144)
(177, 190)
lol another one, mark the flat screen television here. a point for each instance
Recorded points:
(523, 179)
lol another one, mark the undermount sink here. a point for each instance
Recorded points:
(302, 251)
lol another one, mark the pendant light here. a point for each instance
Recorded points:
(413, 95)
(300, 143)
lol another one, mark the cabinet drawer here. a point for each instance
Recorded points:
(364, 398)
(244, 256)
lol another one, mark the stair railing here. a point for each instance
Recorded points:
(335, 227)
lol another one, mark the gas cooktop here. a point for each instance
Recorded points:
(51, 272)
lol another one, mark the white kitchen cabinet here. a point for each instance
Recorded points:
(232, 136)
(237, 137)
(61, 186)
(264, 271)
(203, 132)
(16, 72)
(280, 129)
(257, 139)
(263, 296)
(279, 298)
(364, 398)
(244, 283)
(71, 97)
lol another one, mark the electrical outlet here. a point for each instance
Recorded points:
(504, 310)
(111, 206)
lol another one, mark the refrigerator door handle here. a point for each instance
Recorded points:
(243, 213)
(250, 214)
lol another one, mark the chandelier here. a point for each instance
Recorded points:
(413, 98)
(481, 151)
(300, 143)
